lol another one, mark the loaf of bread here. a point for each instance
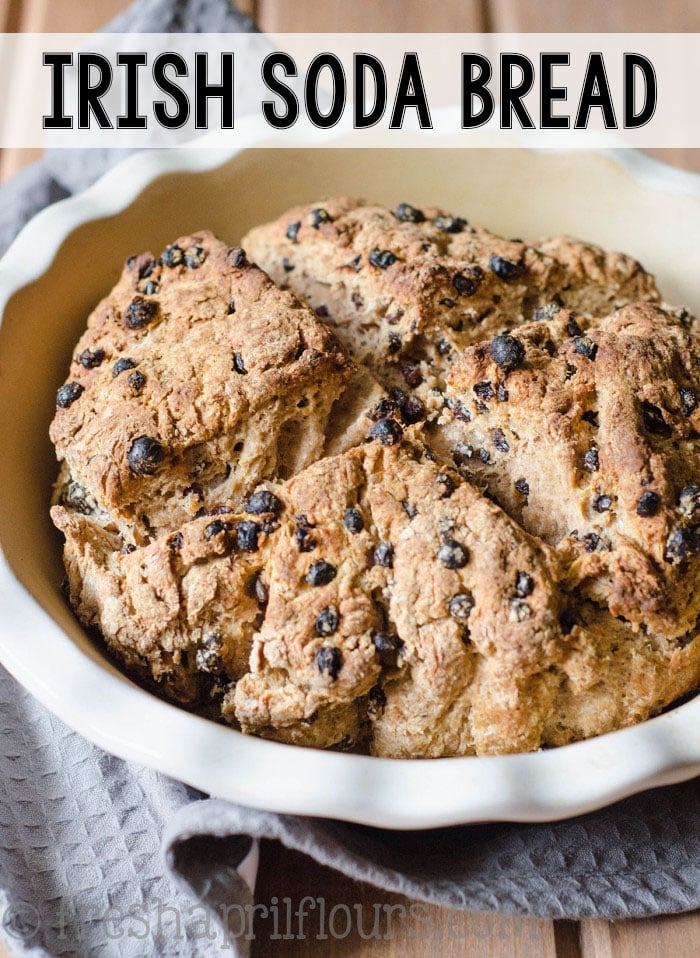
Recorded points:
(423, 492)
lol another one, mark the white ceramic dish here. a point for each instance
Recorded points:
(70, 255)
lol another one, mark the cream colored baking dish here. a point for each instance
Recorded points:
(71, 254)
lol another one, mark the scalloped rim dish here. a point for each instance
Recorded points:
(70, 676)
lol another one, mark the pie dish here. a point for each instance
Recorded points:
(59, 663)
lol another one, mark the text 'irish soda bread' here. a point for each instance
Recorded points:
(423, 492)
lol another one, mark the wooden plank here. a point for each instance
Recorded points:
(67, 16)
(377, 923)
(370, 16)
(10, 13)
(594, 16)
(677, 935)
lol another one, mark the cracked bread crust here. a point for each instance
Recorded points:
(196, 379)
(451, 592)
(407, 291)
(602, 430)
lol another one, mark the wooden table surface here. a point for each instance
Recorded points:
(285, 874)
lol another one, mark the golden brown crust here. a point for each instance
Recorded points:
(602, 427)
(501, 554)
(231, 378)
(407, 296)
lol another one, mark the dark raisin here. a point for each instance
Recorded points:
(602, 503)
(208, 658)
(376, 700)
(322, 312)
(523, 487)
(236, 257)
(499, 440)
(450, 224)
(452, 554)
(654, 421)
(173, 255)
(292, 231)
(319, 216)
(689, 401)
(524, 584)
(261, 502)
(443, 347)
(412, 374)
(216, 528)
(388, 647)
(327, 621)
(385, 407)
(304, 539)
(484, 390)
(462, 453)
(394, 342)
(591, 416)
(468, 282)
(484, 455)
(648, 504)
(261, 591)
(91, 357)
(139, 313)
(194, 257)
(591, 460)
(573, 329)
(502, 392)
(321, 573)
(460, 411)
(507, 352)
(231, 308)
(689, 502)
(384, 555)
(145, 456)
(353, 520)
(387, 431)
(247, 536)
(329, 661)
(382, 259)
(412, 410)
(545, 312)
(239, 365)
(149, 288)
(287, 264)
(681, 545)
(409, 214)
(447, 483)
(67, 394)
(461, 605)
(176, 542)
(505, 269)
(121, 365)
(591, 542)
(408, 507)
(136, 381)
(585, 347)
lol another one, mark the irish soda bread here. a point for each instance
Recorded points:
(402, 487)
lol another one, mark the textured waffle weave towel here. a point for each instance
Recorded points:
(99, 857)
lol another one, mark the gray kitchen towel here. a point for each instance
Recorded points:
(99, 857)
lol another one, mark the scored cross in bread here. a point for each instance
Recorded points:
(590, 440)
(435, 493)
(407, 290)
